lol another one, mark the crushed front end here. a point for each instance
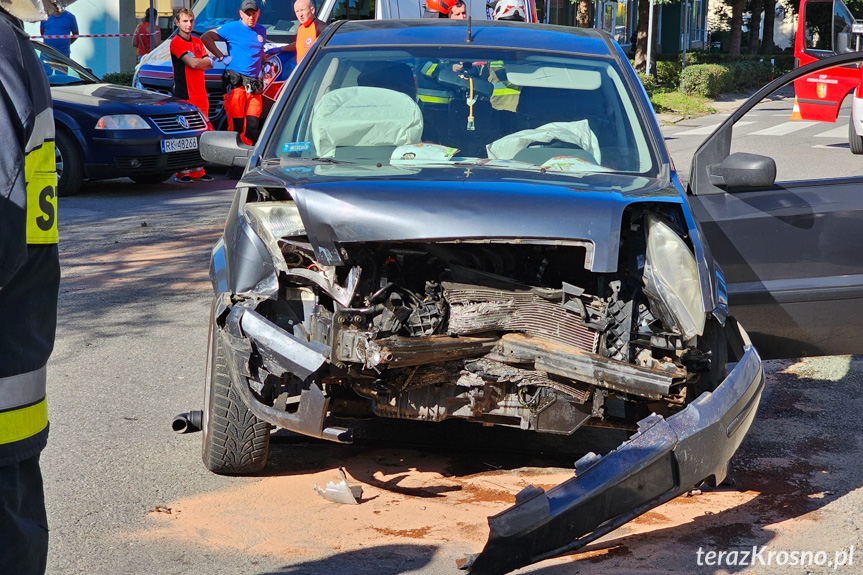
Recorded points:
(523, 332)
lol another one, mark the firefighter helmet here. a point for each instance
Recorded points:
(509, 10)
(442, 6)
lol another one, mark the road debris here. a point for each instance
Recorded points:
(341, 492)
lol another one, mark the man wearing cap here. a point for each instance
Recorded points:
(242, 77)
(311, 28)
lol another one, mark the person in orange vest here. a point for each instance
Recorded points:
(311, 28)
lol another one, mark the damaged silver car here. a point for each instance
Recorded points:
(491, 229)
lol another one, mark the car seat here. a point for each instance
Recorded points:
(390, 75)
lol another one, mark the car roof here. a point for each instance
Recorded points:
(442, 32)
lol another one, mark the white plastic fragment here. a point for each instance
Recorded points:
(340, 492)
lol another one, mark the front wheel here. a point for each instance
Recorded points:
(235, 442)
(70, 166)
(855, 142)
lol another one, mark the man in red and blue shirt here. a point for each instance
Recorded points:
(242, 78)
(189, 58)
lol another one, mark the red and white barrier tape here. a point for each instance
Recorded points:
(66, 37)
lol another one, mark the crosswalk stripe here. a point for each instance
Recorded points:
(841, 133)
(704, 130)
(783, 129)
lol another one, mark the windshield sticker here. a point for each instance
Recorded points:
(297, 147)
(422, 153)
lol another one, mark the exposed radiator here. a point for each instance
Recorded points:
(477, 309)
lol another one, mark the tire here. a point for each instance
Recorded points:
(855, 142)
(70, 166)
(150, 178)
(235, 442)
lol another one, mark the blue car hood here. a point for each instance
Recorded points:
(429, 205)
(113, 99)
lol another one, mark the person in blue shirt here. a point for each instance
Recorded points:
(62, 24)
(245, 39)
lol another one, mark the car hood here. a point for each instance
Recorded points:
(110, 98)
(486, 204)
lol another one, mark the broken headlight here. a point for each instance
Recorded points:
(671, 280)
(272, 221)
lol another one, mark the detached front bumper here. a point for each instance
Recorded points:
(666, 458)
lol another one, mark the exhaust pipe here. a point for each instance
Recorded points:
(187, 422)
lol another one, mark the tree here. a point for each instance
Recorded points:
(736, 32)
(641, 36)
(755, 25)
(769, 17)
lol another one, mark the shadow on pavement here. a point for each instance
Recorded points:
(379, 560)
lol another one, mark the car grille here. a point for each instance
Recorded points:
(185, 160)
(173, 162)
(216, 100)
(169, 124)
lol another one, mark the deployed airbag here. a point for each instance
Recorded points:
(364, 116)
(578, 133)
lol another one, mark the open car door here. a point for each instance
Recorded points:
(789, 247)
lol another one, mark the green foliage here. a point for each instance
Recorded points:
(121, 78)
(710, 80)
(668, 74)
(676, 102)
(746, 75)
(706, 80)
(648, 81)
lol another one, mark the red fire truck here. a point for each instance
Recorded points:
(826, 28)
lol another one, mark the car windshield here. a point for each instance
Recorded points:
(62, 71)
(277, 16)
(451, 107)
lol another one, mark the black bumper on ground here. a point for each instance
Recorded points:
(666, 458)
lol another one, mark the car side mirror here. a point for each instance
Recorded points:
(225, 149)
(743, 170)
(843, 42)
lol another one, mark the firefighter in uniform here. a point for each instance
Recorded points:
(29, 284)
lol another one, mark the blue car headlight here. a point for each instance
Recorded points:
(122, 122)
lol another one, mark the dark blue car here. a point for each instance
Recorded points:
(109, 131)
(445, 220)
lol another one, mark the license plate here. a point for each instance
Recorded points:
(179, 145)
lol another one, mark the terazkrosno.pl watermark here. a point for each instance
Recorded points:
(756, 556)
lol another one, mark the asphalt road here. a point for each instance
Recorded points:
(127, 495)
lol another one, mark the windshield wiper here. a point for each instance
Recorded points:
(286, 162)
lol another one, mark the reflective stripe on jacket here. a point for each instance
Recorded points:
(40, 173)
(23, 409)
